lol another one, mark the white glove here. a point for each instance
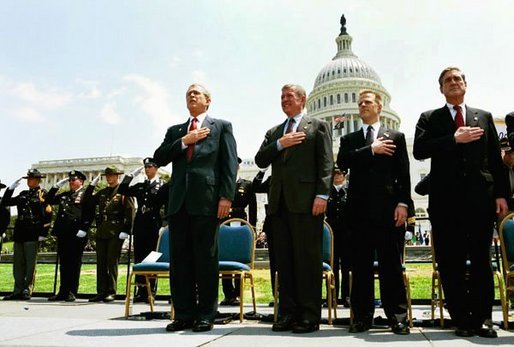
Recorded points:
(81, 234)
(15, 184)
(61, 183)
(41, 238)
(265, 169)
(95, 181)
(137, 171)
(123, 236)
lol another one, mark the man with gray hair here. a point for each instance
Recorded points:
(299, 151)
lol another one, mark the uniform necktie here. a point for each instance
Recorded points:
(459, 118)
(369, 135)
(290, 125)
(191, 147)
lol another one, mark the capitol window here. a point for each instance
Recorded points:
(353, 97)
(331, 99)
(346, 98)
(324, 101)
(338, 98)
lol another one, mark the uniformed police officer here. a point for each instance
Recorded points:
(31, 226)
(114, 213)
(151, 195)
(70, 228)
(4, 216)
(245, 196)
(337, 219)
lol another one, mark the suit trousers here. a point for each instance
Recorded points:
(469, 300)
(70, 249)
(194, 266)
(382, 244)
(270, 240)
(24, 265)
(107, 258)
(298, 238)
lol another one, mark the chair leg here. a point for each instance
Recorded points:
(128, 295)
(275, 299)
(334, 297)
(241, 294)
(503, 301)
(149, 293)
(406, 281)
(350, 294)
(328, 281)
(250, 275)
(440, 301)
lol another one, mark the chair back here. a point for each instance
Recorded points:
(236, 242)
(506, 233)
(163, 246)
(327, 250)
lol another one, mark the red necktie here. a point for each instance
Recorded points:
(191, 147)
(459, 118)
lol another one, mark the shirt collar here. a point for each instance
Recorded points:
(200, 118)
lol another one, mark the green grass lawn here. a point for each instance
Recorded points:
(419, 274)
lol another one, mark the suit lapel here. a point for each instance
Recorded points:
(305, 124)
(471, 117)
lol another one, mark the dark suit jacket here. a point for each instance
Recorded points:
(377, 182)
(301, 172)
(477, 165)
(209, 176)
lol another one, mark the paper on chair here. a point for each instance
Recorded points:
(152, 257)
(235, 224)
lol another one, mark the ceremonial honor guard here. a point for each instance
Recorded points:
(5, 216)
(114, 214)
(150, 195)
(31, 226)
(70, 228)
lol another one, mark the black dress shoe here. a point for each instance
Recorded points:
(140, 298)
(13, 296)
(234, 302)
(464, 332)
(487, 332)
(359, 327)
(108, 298)
(202, 325)
(58, 297)
(69, 298)
(271, 304)
(400, 328)
(179, 324)
(25, 295)
(284, 324)
(97, 298)
(305, 326)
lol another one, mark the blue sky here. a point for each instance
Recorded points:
(97, 78)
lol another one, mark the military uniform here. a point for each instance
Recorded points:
(72, 216)
(244, 196)
(4, 216)
(150, 195)
(337, 219)
(114, 214)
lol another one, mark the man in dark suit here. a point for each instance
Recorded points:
(467, 190)
(299, 151)
(378, 197)
(203, 153)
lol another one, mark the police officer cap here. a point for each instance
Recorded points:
(504, 144)
(76, 174)
(34, 173)
(2, 186)
(239, 161)
(112, 170)
(338, 171)
(148, 161)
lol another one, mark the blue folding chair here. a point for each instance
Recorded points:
(236, 243)
(151, 270)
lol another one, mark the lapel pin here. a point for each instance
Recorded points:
(475, 118)
(386, 134)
